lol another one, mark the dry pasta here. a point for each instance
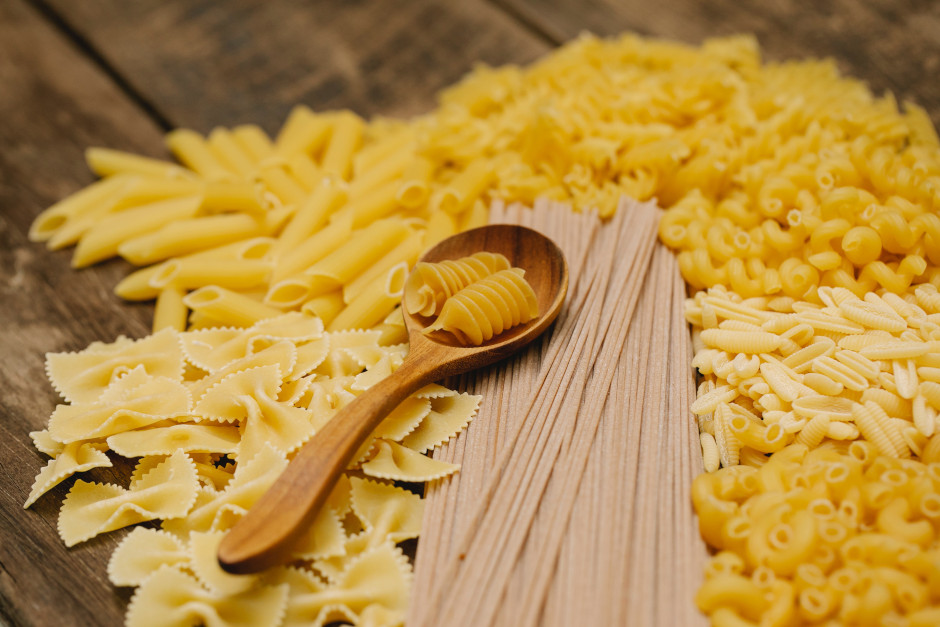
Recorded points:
(209, 440)
(487, 307)
(802, 206)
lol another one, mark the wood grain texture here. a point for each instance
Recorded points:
(892, 44)
(265, 537)
(208, 63)
(53, 103)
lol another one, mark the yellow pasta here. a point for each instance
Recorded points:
(344, 140)
(228, 307)
(431, 284)
(487, 307)
(107, 162)
(191, 148)
(188, 236)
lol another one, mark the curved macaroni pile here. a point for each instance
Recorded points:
(804, 212)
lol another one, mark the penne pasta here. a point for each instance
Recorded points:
(187, 236)
(227, 307)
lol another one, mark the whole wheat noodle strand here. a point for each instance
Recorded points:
(533, 471)
(576, 456)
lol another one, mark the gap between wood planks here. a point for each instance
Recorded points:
(89, 50)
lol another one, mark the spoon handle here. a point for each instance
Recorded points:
(267, 533)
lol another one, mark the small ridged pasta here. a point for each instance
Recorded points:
(430, 284)
(488, 307)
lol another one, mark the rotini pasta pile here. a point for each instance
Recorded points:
(805, 213)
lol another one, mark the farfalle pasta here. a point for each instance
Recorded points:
(213, 438)
(803, 204)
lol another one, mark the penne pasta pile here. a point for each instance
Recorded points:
(805, 216)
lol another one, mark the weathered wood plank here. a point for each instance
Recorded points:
(203, 63)
(53, 104)
(892, 44)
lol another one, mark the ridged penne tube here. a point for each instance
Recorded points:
(487, 307)
(431, 284)
(170, 312)
(254, 141)
(147, 190)
(137, 285)
(380, 150)
(376, 300)
(388, 170)
(187, 236)
(741, 341)
(406, 252)
(313, 249)
(219, 196)
(290, 292)
(304, 170)
(458, 195)
(228, 307)
(352, 258)
(415, 187)
(51, 219)
(325, 307)
(86, 214)
(227, 150)
(235, 274)
(440, 226)
(287, 190)
(311, 215)
(303, 132)
(476, 216)
(372, 205)
(103, 239)
(108, 162)
(191, 149)
(344, 142)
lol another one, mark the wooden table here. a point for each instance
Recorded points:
(118, 74)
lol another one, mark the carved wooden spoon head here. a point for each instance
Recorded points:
(266, 536)
(545, 270)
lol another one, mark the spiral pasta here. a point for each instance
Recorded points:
(488, 307)
(431, 284)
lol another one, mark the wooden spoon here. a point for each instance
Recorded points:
(266, 535)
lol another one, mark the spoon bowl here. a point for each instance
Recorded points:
(265, 536)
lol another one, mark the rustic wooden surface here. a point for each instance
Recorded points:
(114, 73)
